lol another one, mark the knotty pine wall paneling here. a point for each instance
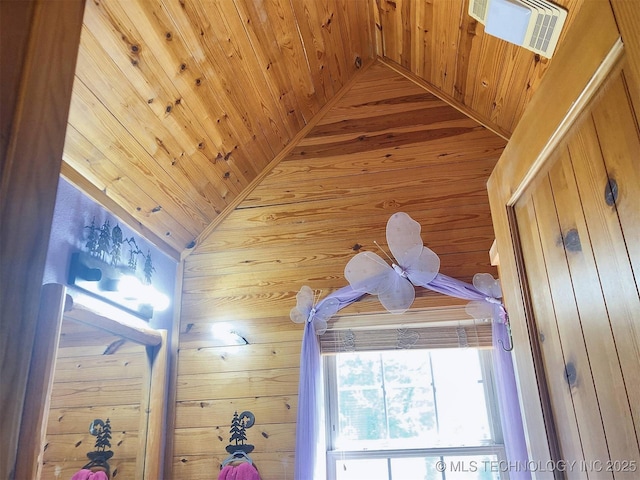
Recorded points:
(386, 146)
(97, 375)
(442, 44)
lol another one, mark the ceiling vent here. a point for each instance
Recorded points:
(532, 24)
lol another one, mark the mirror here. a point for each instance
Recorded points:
(107, 366)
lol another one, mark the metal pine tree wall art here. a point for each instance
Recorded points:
(239, 424)
(99, 458)
(105, 244)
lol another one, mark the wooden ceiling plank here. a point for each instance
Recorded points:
(388, 141)
(436, 212)
(330, 29)
(269, 56)
(440, 151)
(314, 235)
(309, 24)
(240, 146)
(170, 66)
(386, 12)
(165, 222)
(468, 58)
(430, 115)
(232, 309)
(232, 57)
(163, 128)
(449, 99)
(280, 19)
(381, 91)
(277, 159)
(195, 34)
(335, 255)
(492, 57)
(359, 29)
(146, 130)
(312, 243)
(272, 90)
(287, 275)
(362, 184)
(325, 272)
(510, 92)
(425, 37)
(237, 146)
(91, 118)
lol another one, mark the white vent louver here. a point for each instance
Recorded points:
(532, 24)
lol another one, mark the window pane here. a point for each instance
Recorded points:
(411, 399)
(462, 409)
(482, 467)
(414, 468)
(362, 415)
(368, 469)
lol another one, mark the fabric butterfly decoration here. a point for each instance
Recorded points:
(306, 310)
(491, 307)
(414, 264)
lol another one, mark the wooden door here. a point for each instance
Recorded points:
(579, 226)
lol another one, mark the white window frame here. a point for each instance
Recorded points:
(331, 424)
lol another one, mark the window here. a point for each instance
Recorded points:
(412, 415)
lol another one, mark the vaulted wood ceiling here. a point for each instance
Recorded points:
(181, 107)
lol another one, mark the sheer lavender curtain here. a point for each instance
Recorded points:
(309, 426)
(310, 401)
(484, 296)
(507, 391)
(510, 414)
(310, 452)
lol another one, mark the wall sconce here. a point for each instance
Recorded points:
(226, 335)
(116, 285)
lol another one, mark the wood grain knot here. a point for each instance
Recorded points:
(571, 241)
(571, 374)
(611, 192)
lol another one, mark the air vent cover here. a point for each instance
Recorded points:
(532, 24)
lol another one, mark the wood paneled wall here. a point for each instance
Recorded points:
(439, 42)
(386, 145)
(97, 375)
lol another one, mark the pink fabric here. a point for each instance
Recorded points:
(85, 474)
(244, 471)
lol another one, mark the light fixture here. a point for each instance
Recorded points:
(224, 333)
(116, 285)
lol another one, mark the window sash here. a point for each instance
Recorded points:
(498, 450)
(332, 424)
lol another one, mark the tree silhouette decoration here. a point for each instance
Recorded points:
(106, 244)
(116, 240)
(100, 457)
(148, 268)
(239, 424)
(92, 239)
(104, 241)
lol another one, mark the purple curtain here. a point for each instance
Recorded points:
(309, 429)
(510, 414)
(507, 391)
(310, 401)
